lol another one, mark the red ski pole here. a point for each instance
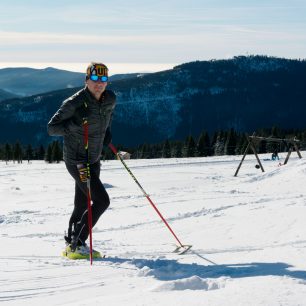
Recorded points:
(181, 249)
(89, 212)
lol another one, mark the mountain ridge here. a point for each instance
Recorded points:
(25, 81)
(244, 93)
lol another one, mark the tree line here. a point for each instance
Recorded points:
(17, 152)
(223, 142)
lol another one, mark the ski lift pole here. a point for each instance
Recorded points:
(181, 248)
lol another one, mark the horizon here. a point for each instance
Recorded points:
(119, 68)
(114, 68)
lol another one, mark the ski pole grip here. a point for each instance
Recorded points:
(113, 148)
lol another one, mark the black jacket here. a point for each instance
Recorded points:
(67, 122)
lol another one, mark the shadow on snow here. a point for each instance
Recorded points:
(163, 269)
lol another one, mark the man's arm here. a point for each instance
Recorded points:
(61, 123)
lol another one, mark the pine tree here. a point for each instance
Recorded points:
(242, 143)
(144, 151)
(166, 152)
(262, 148)
(219, 144)
(155, 148)
(203, 146)
(138, 153)
(176, 149)
(275, 132)
(17, 152)
(230, 143)
(190, 148)
(8, 153)
(148, 152)
(213, 142)
(56, 152)
(48, 157)
(29, 153)
(41, 153)
(273, 146)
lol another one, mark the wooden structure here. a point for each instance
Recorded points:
(291, 144)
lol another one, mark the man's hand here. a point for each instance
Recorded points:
(82, 172)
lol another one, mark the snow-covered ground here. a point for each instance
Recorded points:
(248, 235)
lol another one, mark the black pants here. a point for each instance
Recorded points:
(79, 219)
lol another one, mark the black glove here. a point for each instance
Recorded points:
(107, 137)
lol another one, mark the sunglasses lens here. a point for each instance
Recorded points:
(94, 78)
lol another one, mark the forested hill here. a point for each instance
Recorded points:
(244, 93)
(4, 95)
(30, 81)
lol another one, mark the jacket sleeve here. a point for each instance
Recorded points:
(61, 123)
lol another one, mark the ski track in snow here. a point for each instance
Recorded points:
(248, 235)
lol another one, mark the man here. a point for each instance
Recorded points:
(95, 105)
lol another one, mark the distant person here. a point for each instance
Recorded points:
(95, 104)
(275, 155)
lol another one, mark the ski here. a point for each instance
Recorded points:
(75, 255)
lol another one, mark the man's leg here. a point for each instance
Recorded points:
(99, 198)
(100, 201)
(80, 205)
(80, 201)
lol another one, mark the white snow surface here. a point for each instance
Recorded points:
(248, 234)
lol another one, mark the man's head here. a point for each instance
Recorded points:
(96, 78)
(97, 70)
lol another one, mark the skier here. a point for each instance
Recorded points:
(275, 155)
(93, 104)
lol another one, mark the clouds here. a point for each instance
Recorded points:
(150, 31)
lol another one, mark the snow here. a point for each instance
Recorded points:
(248, 234)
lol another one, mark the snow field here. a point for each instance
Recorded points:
(248, 234)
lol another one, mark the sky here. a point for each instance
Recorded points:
(140, 36)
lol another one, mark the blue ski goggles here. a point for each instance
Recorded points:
(95, 78)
